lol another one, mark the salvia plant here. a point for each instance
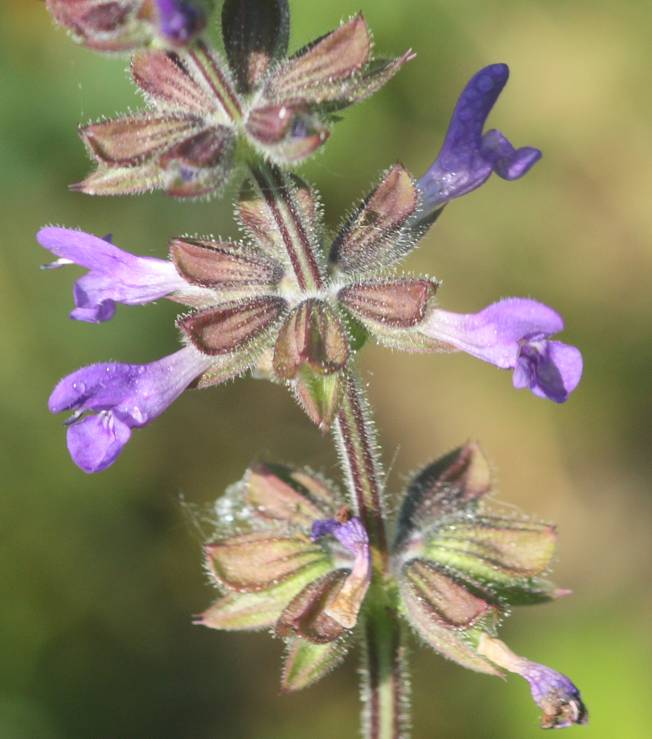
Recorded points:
(318, 564)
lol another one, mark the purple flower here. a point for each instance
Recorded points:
(118, 398)
(513, 334)
(352, 536)
(556, 695)
(468, 157)
(179, 20)
(114, 276)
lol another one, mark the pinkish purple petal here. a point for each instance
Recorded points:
(119, 397)
(467, 158)
(115, 276)
(513, 334)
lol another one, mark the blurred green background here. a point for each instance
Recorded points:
(100, 575)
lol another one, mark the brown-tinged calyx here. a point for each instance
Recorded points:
(307, 614)
(256, 561)
(371, 238)
(449, 483)
(255, 32)
(223, 265)
(312, 335)
(449, 602)
(231, 326)
(398, 303)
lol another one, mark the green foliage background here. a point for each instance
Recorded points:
(100, 575)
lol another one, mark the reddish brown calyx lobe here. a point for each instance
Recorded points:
(312, 335)
(254, 32)
(231, 327)
(396, 303)
(370, 238)
(222, 264)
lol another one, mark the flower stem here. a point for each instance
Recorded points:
(385, 682)
(384, 689)
(355, 437)
(384, 676)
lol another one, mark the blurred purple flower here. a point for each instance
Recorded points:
(513, 334)
(115, 276)
(467, 157)
(179, 20)
(556, 695)
(119, 397)
(351, 534)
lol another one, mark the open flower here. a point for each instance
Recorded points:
(108, 400)
(469, 156)
(114, 276)
(460, 566)
(513, 334)
(296, 562)
(400, 311)
(200, 105)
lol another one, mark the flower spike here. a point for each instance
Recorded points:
(119, 397)
(468, 157)
(114, 276)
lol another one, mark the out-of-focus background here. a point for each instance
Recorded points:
(100, 575)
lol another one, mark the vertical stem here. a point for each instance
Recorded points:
(355, 437)
(384, 678)
(384, 688)
(384, 675)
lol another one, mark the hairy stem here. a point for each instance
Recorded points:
(355, 437)
(384, 688)
(384, 677)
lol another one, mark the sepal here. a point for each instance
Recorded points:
(397, 303)
(450, 483)
(372, 237)
(319, 395)
(455, 644)
(492, 550)
(311, 336)
(223, 265)
(258, 561)
(255, 33)
(126, 25)
(448, 601)
(307, 615)
(251, 611)
(294, 497)
(102, 25)
(316, 72)
(232, 327)
(306, 663)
